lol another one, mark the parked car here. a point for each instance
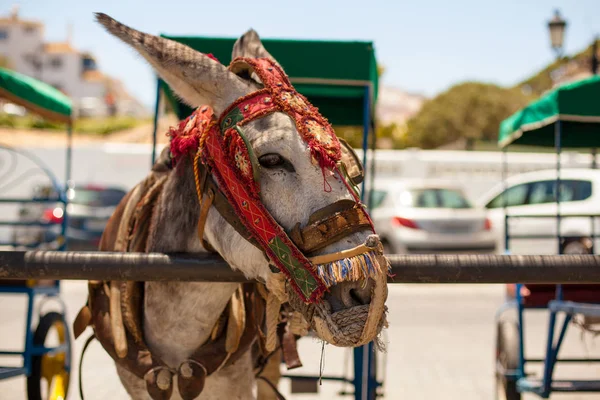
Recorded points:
(532, 195)
(89, 208)
(429, 217)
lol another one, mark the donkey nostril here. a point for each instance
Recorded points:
(349, 294)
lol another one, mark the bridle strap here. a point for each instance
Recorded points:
(209, 195)
(329, 225)
(340, 255)
(206, 203)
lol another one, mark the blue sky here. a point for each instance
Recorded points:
(425, 45)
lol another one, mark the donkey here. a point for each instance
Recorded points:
(298, 190)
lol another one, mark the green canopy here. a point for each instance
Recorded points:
(576, 105)
(331, 74)
(34, 95)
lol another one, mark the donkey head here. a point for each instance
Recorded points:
(294, 189)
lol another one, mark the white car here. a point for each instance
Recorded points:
(532, 196)
(423, 217)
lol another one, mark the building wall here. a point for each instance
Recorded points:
(22, 41)
(61, 70)
(91, 89)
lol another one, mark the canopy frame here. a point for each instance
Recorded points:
(573, 105)
(47, 102)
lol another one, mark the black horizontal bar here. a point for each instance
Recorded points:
(316, 378)
(39, 201)
(33, 223)
(549, 236)
(555, 215)
(564, 360)
(95, 265)
(60, 265)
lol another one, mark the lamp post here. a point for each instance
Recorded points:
(595, 56)
(557, 26)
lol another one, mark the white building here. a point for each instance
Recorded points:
(73, 72)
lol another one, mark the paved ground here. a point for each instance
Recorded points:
(441, 346)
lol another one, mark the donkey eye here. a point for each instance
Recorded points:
(273, 160)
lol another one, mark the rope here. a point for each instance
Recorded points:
(277, 393)
(349, 327)
(201, 141)
(197, 176)
(297, 323)
(265, 379)
(85, 346)
(276, 284)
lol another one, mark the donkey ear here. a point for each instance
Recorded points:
(250, 45)
(193, 76)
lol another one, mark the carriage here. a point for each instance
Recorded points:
(46, 356)
(566, 117)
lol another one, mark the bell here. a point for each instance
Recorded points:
(190, 379)
(159, 383)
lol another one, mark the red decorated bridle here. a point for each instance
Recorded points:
(223, 152)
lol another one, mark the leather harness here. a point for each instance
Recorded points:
(119, 328)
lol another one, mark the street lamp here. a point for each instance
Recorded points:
(557, 26)
(595, 56)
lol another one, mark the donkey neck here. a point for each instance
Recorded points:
(179, 316)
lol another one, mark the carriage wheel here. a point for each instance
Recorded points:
(507, 357)
(49, 378)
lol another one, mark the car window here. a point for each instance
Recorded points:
(583, 190)
(425, 199)
(513, 196)
(97, 198)
(434, 198)
(570, 190)
(542, 192)
(452, 199)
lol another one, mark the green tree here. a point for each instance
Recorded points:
(470, 110)
(542, 80)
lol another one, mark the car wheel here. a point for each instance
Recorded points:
(576, 247)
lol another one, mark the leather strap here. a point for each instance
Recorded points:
(224, 208)
(214, 356)
(355, 251)
(289, 348)
(191, 374)
(207, 201)
(330, 224)
(208, 188)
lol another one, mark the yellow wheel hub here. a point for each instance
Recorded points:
(53, 369)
